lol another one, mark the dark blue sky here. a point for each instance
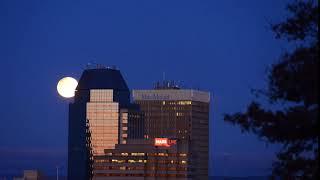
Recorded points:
(220, 46)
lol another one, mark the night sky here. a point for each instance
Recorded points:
(224, 47)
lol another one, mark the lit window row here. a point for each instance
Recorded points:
(140, 168)
(148, 154)
(138, 175)
(140, 161)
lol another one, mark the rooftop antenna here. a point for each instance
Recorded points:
(89, 65)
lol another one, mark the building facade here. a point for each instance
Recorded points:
(98, 119)
(163, 134)
(176, 144)
(182, 114)
(142, 160)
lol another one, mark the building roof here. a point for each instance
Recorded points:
(102, 78)
(171, 95)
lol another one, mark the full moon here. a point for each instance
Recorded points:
(67, 86)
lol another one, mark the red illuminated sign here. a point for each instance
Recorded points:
(164, 142)
(161, 142)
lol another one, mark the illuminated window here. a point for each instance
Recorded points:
(179, 114)
(162, 154)
(184, 103)
(117, 161)
(137, 154)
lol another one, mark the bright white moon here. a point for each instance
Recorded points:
(67, 86)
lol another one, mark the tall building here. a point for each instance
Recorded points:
(162, 135)
(176, 140)
(99, 119)
(182, 114)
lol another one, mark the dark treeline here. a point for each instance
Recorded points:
(293, 85)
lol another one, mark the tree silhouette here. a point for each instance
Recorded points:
(292, 84)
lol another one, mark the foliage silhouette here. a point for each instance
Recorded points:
(292, 84)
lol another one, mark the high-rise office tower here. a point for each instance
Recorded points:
(100, 117)
(181, 114)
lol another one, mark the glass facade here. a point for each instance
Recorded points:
(99, 118)
(170, 119)
(182, 114)
(103, 118)
(123, 134)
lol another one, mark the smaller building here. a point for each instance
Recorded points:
(30, 175)
(161, 158)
